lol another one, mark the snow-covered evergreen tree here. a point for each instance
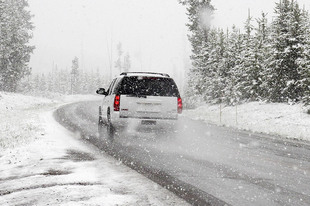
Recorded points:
(262, 54)
(234, 67)
(304, 61)
(64, 82)
(247, 71)
(214, 68)
(199, 15)
(288, 43)
(75, 76)
(15, 33)
(253, 54)
(43, 86)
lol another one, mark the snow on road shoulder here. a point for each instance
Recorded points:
(49, 165)
(19, 121)
(288, 121)
(19, 118)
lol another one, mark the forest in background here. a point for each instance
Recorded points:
(263, 62)
(61, 81)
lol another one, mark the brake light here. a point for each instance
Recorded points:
(180, 106)
(117, 101)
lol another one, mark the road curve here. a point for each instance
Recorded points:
(205, 164)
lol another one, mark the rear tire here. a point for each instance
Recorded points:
(100, 124)
(110, 128)
(100, 128)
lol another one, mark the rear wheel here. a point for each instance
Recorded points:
(100, 128)
(110, 128)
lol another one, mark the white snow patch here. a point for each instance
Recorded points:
(288, 121)
(19, 116)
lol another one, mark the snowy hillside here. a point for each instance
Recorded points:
(291, 121)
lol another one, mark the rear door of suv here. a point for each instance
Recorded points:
(148, 97)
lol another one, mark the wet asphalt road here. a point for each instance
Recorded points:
(206, 164)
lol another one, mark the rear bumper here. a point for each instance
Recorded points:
(149, 118)
(138, 122)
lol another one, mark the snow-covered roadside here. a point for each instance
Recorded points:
(288, 121)
(19, 116)
(18, 121)
(44, 164)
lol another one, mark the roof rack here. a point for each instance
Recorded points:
(162, 74)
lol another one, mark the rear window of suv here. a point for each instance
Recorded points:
(148, 86)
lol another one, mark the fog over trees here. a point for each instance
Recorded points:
(267, 61)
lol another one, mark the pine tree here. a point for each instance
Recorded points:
(304, 61)
(233, 67)
(75, 76)
(36, 82)
(253, 55)
(288, 43)
(210, 67)
(43, 87)
(297, 43)
(64, 82)
(15, 33)
(199, 15)
(213, 72)
(247, 73)
(51, 82)
(262, 54)
(222, 70)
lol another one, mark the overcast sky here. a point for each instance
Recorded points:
(153, 32)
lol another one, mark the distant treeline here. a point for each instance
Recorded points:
(268, 61)
(61, 82)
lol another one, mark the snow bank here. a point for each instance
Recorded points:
(19, 121)
(288, 121)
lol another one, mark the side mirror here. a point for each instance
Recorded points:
(101, 91)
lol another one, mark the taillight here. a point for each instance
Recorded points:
(180, 106)
(117, 101)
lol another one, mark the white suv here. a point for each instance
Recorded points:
(142, 98)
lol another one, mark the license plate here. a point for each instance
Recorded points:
(148, 122)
